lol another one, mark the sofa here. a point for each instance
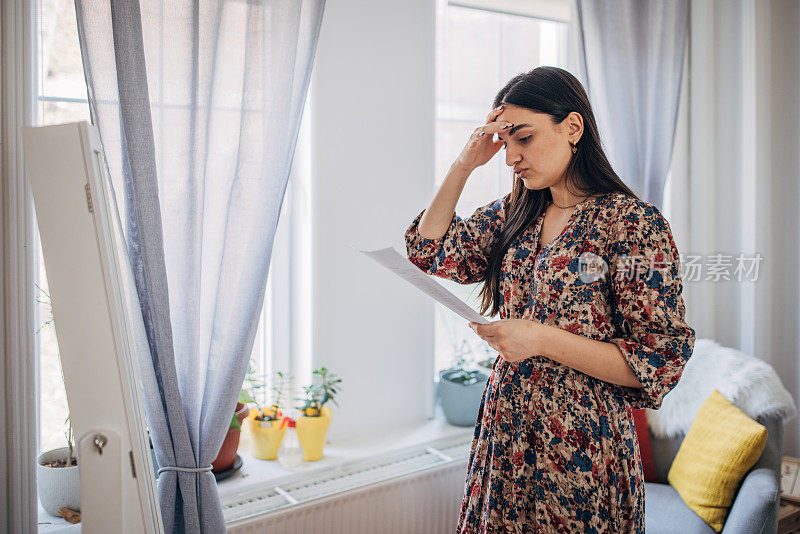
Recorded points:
(754, 511)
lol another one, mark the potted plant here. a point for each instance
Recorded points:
(312, 425)
(266, 425)
(488, 362)
(460, 390)
(58, 478)
(227, 451)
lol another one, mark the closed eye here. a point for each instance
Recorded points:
(520, 140)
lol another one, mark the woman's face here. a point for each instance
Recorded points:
(536, 148)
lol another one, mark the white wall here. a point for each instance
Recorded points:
(373, 116)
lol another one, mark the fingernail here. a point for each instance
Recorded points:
(500, 107)
(481, 134)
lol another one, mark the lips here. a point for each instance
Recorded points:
(520, 173)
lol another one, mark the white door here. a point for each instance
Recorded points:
(94, 311)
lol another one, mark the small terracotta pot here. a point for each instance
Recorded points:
(227, 452)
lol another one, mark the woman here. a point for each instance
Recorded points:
(586, 279)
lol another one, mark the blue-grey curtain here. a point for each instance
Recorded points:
(198, 105)
(631, 55)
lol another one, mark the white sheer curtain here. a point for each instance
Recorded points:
(630, 59)
(198, 105)
(735, 183)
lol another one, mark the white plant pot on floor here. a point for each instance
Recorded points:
(59, 487)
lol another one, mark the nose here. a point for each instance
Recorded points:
(512, 157)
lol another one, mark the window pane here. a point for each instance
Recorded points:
(469, 49)
(478, 52)
(61, 112)
(60, 69)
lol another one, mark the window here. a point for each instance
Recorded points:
(282, 339)
(477, 52)
(61, 97)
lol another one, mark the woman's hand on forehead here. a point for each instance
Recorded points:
(494, 114)
(481, 147)
(496, 125)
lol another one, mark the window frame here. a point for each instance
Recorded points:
(18, 315)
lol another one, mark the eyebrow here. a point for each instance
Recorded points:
(517, 127)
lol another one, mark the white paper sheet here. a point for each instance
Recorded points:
(402, 267)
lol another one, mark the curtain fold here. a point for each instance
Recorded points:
(198, 105)
(630, 59)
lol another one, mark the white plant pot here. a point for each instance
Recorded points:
(58, 486)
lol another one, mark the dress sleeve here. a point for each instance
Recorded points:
(648, 308)
(462, 253)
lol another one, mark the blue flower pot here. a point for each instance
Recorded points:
(460, 403)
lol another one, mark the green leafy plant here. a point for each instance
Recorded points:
(319, 394)
(279, 385)
(235, 422)
(247, 394)
(255, 386)
(491, 356)
(459, 372)
(68, 434)
(70, 460)
(70, 440)
(47, 301)
(461, 375)
(273, 411)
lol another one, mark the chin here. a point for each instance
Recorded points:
(529, 183)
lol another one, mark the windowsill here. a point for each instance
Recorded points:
(49, 523)
(258, 474)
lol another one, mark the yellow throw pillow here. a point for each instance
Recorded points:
(721, 446)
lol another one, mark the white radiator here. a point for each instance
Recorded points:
(419, 492)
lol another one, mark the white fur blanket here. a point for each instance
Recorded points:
(747, 382)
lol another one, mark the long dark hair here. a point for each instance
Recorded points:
(558, 93)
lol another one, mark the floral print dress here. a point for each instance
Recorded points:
(554, 449)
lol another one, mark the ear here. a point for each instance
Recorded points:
(574, 123)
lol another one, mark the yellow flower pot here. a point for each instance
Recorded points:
(312, 431)
(264, 436)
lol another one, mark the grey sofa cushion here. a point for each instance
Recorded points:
(666, 513)
(664, 451)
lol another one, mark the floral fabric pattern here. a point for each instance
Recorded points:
(554, 449)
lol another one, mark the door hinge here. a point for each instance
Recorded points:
(89, 198)
(133, 465)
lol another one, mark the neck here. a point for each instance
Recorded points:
(563, 198)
